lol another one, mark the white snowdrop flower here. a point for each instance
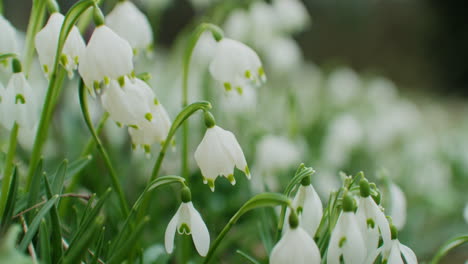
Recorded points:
(155, 131)
(107, 56)
(240, 103)
(263, 24)
(237, 25)
(129, 104)
(236, 65)
(465, 213)
(393, 252)
(131, 24)
(188, 221)
(292, 15)
(397, 206)
(344, 86)
(8, 42)
(217, 154)
(203, 52)
(46, 45)
(296, 246)
(284, 55)
(309, 207)
(372, 220)
(346, 239)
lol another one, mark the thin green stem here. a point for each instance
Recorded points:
(8, 166)
(218, 35)
(178, 121)
(258, 201)
(36, 20)
(55, 83)
(114, 179)
(448, 246)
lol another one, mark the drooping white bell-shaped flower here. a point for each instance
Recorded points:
(155, 131)
(107, 56)
(131, 24)
(128, 104)
(8, 40)
(393, 252)
(372, 220)
(309, 208)
(46, 45)
(397, 206)
(346, 239)
(296, 246)
(217, 154)
(292, 15)
(236, 65)
(188, 221)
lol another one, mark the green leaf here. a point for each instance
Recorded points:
(10, 203)
(59, 178)
(44, 243)
(119, 255)
(76, 166)
(247, 257)
(99, 247)
(449, 245)
(78, 247)
(33, 195)
(36, 222)
(56, 239)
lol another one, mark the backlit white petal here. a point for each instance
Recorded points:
(296, 246)
(200, 234)
(8, 40)
(408, 254)
(292, 15)
(397, 206)
(170, 232)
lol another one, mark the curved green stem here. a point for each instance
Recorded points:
(258, 201)
(6, 56)
(218, 35)
(54, 84)
(178, 121)
(114, 179)
(8, 167)
(449, 245)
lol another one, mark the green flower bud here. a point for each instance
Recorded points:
(293, 220)
(364, 187)
(348, 203)
(209, 120)
(16, 66)
(186, 194)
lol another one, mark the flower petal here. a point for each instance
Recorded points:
(200, 234)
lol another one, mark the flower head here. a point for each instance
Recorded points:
(46, 44)
(187, 221)
(218, 154)
(107, 56)
(346, 240)
(309, 207)
(236, 65)
(131, 24)
(8, 40)
(291, 14)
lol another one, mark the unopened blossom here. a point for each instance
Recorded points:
(236, 65)
(107, 56)
(291, 15)
(346, 240)
(188, 221)
(296, 246)
(131, 24)
(372, 220)
(217, 154)
(397, 206)
(129, 102)
(309, 208)
(46, 45)
(8, 40)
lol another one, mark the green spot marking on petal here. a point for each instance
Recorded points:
(156, 101)
(76, 59)
(96, 85)
(20, 98)
(342, 241)
(45, 68)
(106, 80)
(261, 72)
(247, 172)
(210, 183)
(184, 229)
(121, 81)
(231, 179)
(239, 90)
(149, 116)
(227, 86)
(133, 126)
(134, 146)
(64, 60)
(300, 210)
(119, 124)
(147, 148)
(370, 223)
(248, 74)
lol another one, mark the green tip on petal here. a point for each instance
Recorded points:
(156, 102)
(248, 74)
(106, 80)
(210, 183)
(147, 148)
(149, 116)
(239, 90)
(64, 60)
(342, 241)
(247, 172)
(45, 68)
(231, 179)
(133, 126)
(20, 98)
(121, 81)
(227, 86)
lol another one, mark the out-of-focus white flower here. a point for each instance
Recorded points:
(343, 86)
(236, 65)
(372, 220)
(131, 24)
(309, 207)
(296, 246)
(8, 40)
(237, 25)
(188, 221)
(263, 24)
(217, 154)
(203, 52)
(346, 240)
(284, 55)
(107, 56)
(240, 103)
(148, 133)
(292, 15)
(397, 206)
(129, 104)
(46, 45)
